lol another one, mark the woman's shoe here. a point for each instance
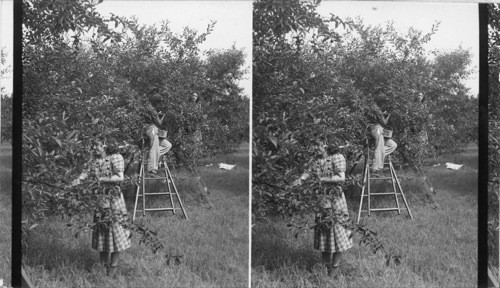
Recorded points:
(111, 271)
(333, 271)
(376, 173)
(103, 269)
(152, 174)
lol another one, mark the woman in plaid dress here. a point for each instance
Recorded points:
(330, 239)
(108, 166)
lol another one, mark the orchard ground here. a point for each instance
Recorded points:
(213, 243)
(439, 246)
(5, 211)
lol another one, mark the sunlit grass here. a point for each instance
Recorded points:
(213, 242)
(439, 246)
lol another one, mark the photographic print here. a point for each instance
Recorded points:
(135, 143)
(365, 154)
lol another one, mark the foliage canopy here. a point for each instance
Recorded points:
(314, 79)
(86, 76)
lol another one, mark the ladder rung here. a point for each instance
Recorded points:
(159, 209)
(383, 193)
(381, 178)
(165, 177)
(382, 209)
(155, 178)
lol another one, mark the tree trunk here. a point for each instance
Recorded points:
(428, 189)
(202, 188)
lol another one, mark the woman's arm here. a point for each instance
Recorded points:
(117, 168)
(114, 178)
(302, 177)
(386, 119)
(82, 176)
(158, 121)
(340, 177)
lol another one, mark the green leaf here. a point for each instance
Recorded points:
(273, 140)
(286, 135)
(40, 151)
(57, 141)
(70, 135)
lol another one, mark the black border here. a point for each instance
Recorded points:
(16, 249)
(482, 227)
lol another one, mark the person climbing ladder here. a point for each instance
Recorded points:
(158, 144)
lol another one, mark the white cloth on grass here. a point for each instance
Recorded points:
(226, 166)
(453, 166)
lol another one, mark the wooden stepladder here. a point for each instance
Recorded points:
(165, 176)
(367, 192)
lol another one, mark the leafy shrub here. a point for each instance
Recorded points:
(83, 79)
(313, 84)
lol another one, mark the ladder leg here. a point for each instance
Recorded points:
(362, 190)
(137, 189)
(403, 195)
(176, 192)
(143, 189)
(170, 184)
(368, 188)
(164, 163)
(393, 176)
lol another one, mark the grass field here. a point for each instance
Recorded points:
(439, 246)
(213, 242)
(5, 211)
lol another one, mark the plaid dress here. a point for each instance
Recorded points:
(114, 238)
(335, 239)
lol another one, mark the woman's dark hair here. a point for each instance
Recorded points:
(97, 139)
(147, 118)
(111, 149)
(332, 149)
